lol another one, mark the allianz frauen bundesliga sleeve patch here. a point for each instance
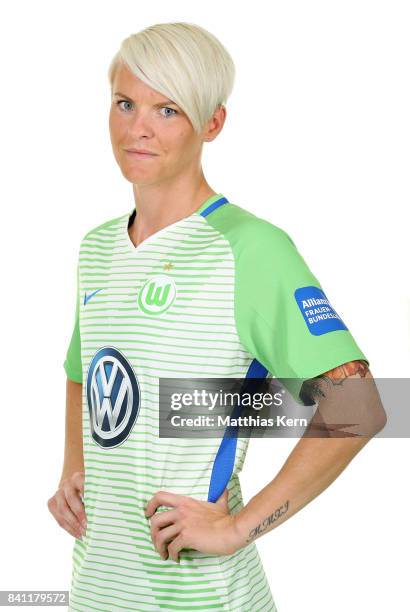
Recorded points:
(320, 317)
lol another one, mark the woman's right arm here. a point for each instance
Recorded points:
(73, 451)
(66, 505)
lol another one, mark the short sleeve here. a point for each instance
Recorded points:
(72, 363)
(283, 316)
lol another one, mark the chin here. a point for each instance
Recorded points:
(132, 173)
(139, 178)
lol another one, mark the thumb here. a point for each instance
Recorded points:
(78, 481)
(223, 499)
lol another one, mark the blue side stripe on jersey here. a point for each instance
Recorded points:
(212, 206)
(225, 457)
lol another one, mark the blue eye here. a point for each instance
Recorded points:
(171, 109)
(121, 101)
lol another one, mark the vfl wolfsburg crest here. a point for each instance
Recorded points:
(157, 294)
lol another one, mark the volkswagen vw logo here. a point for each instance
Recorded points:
(113, 397)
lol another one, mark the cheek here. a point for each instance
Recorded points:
(116, 126)
(111, 125)
(179, 144)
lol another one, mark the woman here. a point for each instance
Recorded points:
(185, 285)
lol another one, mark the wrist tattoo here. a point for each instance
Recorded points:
(256, 531)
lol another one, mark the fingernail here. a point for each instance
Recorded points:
(84, 524)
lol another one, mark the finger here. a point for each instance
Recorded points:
(163, 537)
(175, 547)
(67, 515)
(162, 498)
(76, 506)
(161, 520)
(65, 525)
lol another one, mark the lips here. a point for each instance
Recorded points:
(140, 151)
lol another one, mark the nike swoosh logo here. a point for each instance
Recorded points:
(88, 297)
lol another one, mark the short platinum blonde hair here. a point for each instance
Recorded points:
(184, 62)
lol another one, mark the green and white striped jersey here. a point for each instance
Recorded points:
(211, 295)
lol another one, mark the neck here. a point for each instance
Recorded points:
(160, 205)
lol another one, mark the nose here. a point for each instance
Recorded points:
(140, 124)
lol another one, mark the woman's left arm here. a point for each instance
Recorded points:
(349, 413)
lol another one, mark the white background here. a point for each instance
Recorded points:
(317, 142)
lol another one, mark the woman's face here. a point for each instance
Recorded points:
(142, 118)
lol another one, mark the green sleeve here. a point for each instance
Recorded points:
(72, 363)
(276, 296)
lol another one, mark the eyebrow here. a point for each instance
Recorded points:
(118, 93)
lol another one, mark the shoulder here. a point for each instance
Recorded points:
(261, 249)
(104, 230)
(250, 234)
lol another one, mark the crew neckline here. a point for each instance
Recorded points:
(136, 249)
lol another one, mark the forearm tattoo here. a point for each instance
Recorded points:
(263, 526)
